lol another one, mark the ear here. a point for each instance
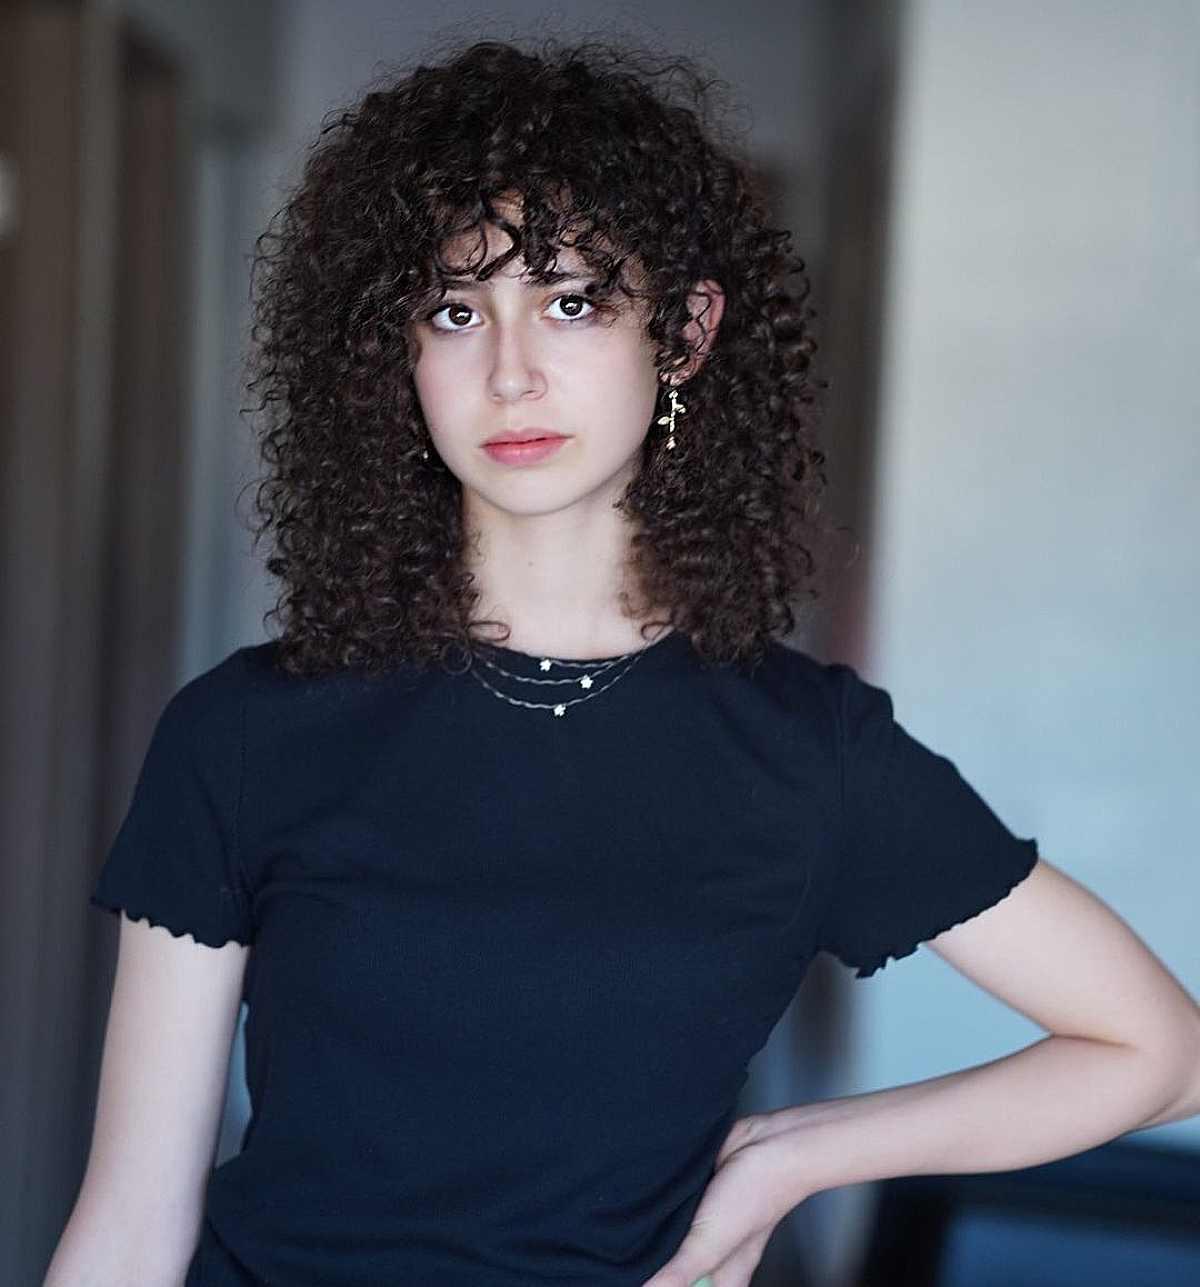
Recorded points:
(706, 303)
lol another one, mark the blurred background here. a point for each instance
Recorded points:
(1000, 209)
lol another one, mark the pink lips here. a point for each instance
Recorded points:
(525, 452)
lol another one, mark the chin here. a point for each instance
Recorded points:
(529, 493)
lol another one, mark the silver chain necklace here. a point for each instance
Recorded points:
(585, 681)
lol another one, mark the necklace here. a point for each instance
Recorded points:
(585, 681)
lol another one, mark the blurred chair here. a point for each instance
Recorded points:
(1123, 1214)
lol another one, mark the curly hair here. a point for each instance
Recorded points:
(611, 150)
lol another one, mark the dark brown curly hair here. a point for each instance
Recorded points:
(613, 151)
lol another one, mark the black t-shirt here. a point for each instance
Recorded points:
(508, 968)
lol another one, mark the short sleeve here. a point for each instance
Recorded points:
(919, 850)
(175, 860)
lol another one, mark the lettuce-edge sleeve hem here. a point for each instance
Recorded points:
(870, 965)
(202, 937)
(177, 857)
(919, 850)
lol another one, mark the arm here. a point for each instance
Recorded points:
(163, 1076)
(1124, 1053)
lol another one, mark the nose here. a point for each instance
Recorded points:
(515, 371)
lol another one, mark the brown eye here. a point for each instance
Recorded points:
(570, 305)
(456, 307)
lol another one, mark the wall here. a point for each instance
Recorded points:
(228, 47)
(1036, 561)
(230, 55)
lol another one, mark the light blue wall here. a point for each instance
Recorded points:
(1036, 565)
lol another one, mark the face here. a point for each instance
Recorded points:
(509, 355)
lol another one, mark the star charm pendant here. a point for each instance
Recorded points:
(560, 709)
(545, 663)
(585, 682)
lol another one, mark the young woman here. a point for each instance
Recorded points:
(520, 836)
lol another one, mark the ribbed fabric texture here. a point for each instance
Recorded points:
(507, 969)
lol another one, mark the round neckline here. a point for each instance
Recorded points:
(536, 659)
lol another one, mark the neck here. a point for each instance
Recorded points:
(554, 579)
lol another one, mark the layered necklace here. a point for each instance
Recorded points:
(588, 676)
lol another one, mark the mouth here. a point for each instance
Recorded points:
(524, 451)
(524, 435)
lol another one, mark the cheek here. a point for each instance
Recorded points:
(637, 409)
(625, 383)
(433, 388)
(639, 397)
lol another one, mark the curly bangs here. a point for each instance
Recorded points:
(607, 150)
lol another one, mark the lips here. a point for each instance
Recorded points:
(524, 435)
(527, 452)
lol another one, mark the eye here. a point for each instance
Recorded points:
(575, 300)
(455, 306)
(458, 308)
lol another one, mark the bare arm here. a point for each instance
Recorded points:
(1124, 1052)
(162, 1091)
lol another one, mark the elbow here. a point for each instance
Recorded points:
(1176, 1065)
(1188, 1101)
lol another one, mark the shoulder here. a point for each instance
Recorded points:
(207, 697)
(836, 685)
(832, 698)
(209, 708)
(800, 666)
(799, 687)
(250, 669)
(800, 676)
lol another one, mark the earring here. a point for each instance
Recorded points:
(677, 408)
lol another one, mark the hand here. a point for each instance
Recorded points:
(756, 1183)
